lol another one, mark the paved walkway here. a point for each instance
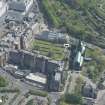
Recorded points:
(100, 98)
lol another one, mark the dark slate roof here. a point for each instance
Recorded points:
(14, 16)
(48, 35)
(17, 6)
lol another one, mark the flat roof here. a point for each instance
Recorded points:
(79, 58)
(1, 4)
(37, 77)
(19, 73)
(58, 76)
(17, 6)
(14, 16)
(1, 101)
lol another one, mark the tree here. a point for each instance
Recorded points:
(73, 99)
(3, 82)
(30, 102)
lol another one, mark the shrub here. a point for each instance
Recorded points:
(73, 99)
(9, 90)
(38, 93)
(3, 82)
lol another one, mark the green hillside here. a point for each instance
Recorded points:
(81, 18)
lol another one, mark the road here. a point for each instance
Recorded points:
(72, 84)
(55, 96)
(16, 83)
(66, 83)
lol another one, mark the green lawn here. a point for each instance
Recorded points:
(52, 50)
